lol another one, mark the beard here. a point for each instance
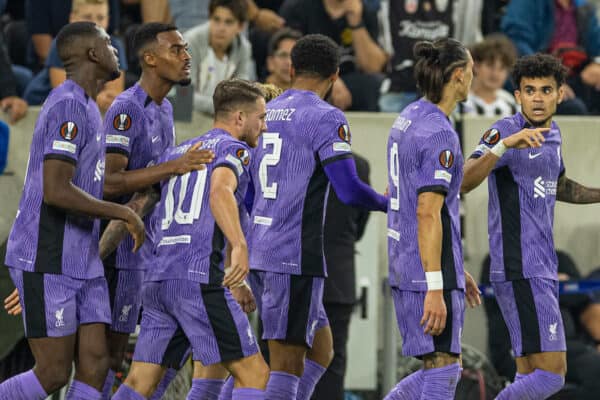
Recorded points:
(114, 74)
(185, 82)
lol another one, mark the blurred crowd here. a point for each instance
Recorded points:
(253, 39)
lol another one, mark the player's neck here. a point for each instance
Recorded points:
(447, 105)
(228, 127)
(317, 86)
(91, 86)
(155, 87)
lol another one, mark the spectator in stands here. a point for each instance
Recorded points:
(219, 50)
(54, 72)
(355, 29)
(568, 29)
(10, 102)
(46, 17)
(411, 21)
(581, 318)
(279, 60)
(493, 59)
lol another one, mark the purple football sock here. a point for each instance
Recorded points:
(82, 391)
(108, 385)
(164, 384)
(227, 389)
(127, 393)
(25, 386)
(282, 386)
(248, 394)
(538, 385)
(440, 383)
(205, 389)
(409, 388)
(309, 379)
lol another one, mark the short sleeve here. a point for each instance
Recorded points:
(437, 169)
(53, 60)
(332, 139)
(235, 156)
(66, 130)
(123, 124)
(498, 131)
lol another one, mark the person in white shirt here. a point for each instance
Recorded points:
(494, 58)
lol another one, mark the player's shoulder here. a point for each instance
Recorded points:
(63, 98)
(128, 100)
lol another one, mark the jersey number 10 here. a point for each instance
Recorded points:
(178, 214)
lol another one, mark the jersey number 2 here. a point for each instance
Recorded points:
(269, 160)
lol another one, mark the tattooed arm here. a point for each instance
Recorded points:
(570, 191)
(142, 203)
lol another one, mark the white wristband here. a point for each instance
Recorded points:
(435, 281)
(499, 149)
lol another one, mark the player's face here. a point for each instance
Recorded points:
(223, 27)
(254, 123)
(465, 79)
(107, 56)
(491, 74)
(96, 13)
(280, 63)
(539, 98)
(173, 61)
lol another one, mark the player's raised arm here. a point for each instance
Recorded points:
(491, 149)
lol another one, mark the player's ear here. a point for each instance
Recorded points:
(149, 58)
(93, 55)
(561, 93)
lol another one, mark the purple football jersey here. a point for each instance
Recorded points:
(141, 130)
(188, 242)
(424, 155)
(522, 194)
(45, 238)
(304, 134)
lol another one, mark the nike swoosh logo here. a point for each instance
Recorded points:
(532, 156)
(155, 138)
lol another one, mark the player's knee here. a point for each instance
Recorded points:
(439, 360)
(255, 374)
(54, 377)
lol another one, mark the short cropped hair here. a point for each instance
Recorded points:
(539, 66)
(239, 8)
(78, 3)
(230, 94)
(316, 55)
(69, 38)
(495, 47)
(435, 63)
(147, 33)
(280, 36)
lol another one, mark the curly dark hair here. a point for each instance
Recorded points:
(538, 66)
(315, 55)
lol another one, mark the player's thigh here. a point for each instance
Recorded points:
(409, 307)
(216, 326)
(161, 340)
(250, 372)
(552, 361)
(53, 360)
(214, 371)
(292, 309)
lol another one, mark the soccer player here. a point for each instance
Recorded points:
(139, 129)
(186, 296)
(53, 245)
(425, 254)
(522, 157)
(308, 145)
